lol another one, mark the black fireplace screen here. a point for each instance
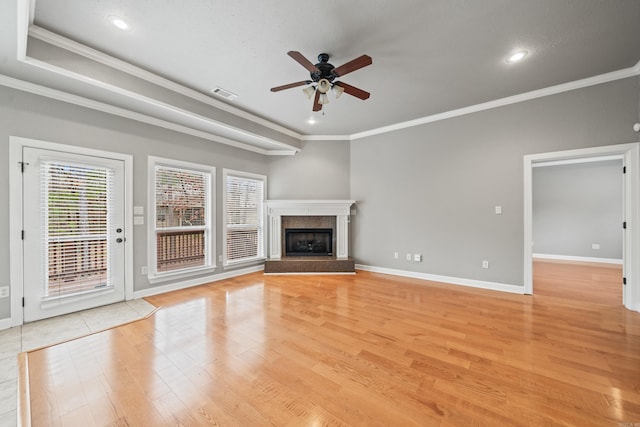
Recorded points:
(308, 241)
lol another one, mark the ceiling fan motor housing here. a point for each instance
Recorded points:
(325, 70)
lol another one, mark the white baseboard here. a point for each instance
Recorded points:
(156, 290)
(312, 273)
(514, 289)
(5, 323)
(578, 258)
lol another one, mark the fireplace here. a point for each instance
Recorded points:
(309, 236)
(308, 241)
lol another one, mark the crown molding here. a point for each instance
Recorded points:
(552, 90)
(25, 9)
(326, 137)
(101, 57)
(122, 112)
(179, 112)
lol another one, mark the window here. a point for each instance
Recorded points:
(77, 204)
(243, 218)
(181, 218)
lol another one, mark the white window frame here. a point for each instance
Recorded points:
(210, 230)
(261, 216)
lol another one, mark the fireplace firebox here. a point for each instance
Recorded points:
(308, 241)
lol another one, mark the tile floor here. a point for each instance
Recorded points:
(51, 331)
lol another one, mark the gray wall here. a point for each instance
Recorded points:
(429, 189)
(320, 171)
(432, 189)
(31, 116)
(577, 205)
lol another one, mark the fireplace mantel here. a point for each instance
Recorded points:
(276, 209)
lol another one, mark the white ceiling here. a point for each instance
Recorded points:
(429, 57)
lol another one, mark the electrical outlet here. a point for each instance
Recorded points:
(4, 291)
(417, 257)
(408, 257)
(498, 210)
(485, 264)
(395, 255)
(595, 246)
(144, 270)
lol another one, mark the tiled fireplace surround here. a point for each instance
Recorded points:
(332, 214)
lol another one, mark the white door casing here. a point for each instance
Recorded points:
(631, 241)
(28, 260)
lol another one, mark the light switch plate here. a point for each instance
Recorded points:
(138, 210)
(138, 220)
(498, 210)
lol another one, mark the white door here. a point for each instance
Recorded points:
(73, 232)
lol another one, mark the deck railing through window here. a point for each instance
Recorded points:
(180, 249)
(77, 264)
(242, 243)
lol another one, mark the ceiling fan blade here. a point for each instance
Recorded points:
(300, 59)
(356, 64)
(290, 85)
(353, 91)
(316, 102)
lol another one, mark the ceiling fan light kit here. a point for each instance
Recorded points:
(309, 90)
(338, 90)
(324, 75)
(323, 86)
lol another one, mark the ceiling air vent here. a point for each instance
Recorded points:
(224, 93)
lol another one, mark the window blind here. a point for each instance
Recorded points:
(244, 228)
(181, 197)
(76, 201)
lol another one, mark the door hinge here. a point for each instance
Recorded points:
(624, 169)
(624, 280)
(22, 164)
(624, 225)
(23, 301)
(22, 234)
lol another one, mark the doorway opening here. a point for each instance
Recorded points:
(577, 232)
(631, 212)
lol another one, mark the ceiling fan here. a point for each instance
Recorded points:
(323, 77)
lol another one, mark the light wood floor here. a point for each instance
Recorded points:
(368, 350)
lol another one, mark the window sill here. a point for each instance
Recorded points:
(182, 274)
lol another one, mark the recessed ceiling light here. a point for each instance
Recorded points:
(516, 56)
(311, 121)
(119, 23)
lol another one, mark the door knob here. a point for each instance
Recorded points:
(119, 240)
